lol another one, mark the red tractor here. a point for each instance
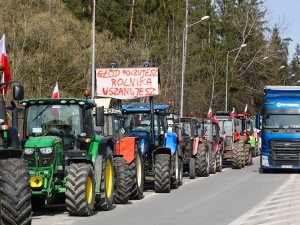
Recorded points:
(235, 145)
(210, 139)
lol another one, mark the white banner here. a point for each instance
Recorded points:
(128, 83)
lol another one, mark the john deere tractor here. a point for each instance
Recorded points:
(68, 162)
(15, 195)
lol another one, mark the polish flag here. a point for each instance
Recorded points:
(246, 109)
(232, 114)
(209, 114)
(55, 108)
(55, 93)
(4, 62)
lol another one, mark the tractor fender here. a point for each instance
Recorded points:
(126, 147)
(105, 141)
(144, 140)
(171, 142)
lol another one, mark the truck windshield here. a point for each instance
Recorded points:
(53, 120)
(281, 121)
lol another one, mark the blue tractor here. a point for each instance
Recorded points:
(159, 147)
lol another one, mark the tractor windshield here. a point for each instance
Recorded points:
(185, 129)
(225, 127)
(55, 120)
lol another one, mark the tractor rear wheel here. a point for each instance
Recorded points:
(192, 168)
(137, 174)
(219, 161)
(162, 177)
(122, 185)
(104, 199)
(180, 171)
(202, 161)
(15, 192)
(80, 189)
(237, 156)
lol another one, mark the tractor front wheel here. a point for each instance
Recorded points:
(137, 173)
(104, 199)
(202, 161)
(192, 171)
(162, 178)
(15, 192)
(122, 186)
(80, 189)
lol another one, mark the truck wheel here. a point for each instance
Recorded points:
(122, 176)
(237, 156)
(248, 155)
(175, 176)
(137, 174)
(104, 200)
(162, 178)
(212, 162)
(80, 189)
(202, 161)
(219, 161)
(15, 192)
(192, 172)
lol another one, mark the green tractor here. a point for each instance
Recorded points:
(15, 194)
(68, 162)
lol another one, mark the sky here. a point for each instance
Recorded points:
(286, 13)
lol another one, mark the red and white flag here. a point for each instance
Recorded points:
(246, 109)
(232, 114)
(4, 62)
(209, 114)
(55, 93)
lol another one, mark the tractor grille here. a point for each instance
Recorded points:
(285, 153)
(44, 160)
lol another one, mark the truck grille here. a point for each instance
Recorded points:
(285, 153)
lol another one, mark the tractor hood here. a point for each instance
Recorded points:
(45, 141)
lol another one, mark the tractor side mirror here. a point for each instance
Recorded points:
(18, 92)
(100, 116)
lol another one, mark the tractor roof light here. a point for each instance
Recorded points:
(192, 113)
(4, 127)
(86, 93)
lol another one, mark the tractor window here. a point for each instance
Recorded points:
(228, 127)
(185, 128)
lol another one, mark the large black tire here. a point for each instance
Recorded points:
(202, 160)
(219, 161)
(122, 177)
(237, 155)
(15, 192)
(175, 172)
(192, 171)
(212, 161)
(138, 177)
(180, 170)
(248, 155)
(162, 177)
(256, 150)
(104, 199)
(242, 147)
(80, 189)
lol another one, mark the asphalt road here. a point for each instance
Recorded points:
(230, 197)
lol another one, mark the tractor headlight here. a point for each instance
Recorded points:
(28, 151)
(47, 150)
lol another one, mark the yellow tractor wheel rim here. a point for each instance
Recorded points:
(108, 178)
(89, 190)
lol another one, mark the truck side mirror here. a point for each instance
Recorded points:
(100, 116)
(18, 92)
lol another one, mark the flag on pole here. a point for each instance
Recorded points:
(55, 93)
(4, 63)
(209, 114)
(55, 108)
(232, 114)
(246, 109)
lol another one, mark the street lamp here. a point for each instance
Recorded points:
(280, 67)
(183, 60)
(93, 49)
(298, 81)
(288, 78)
(243, 45)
